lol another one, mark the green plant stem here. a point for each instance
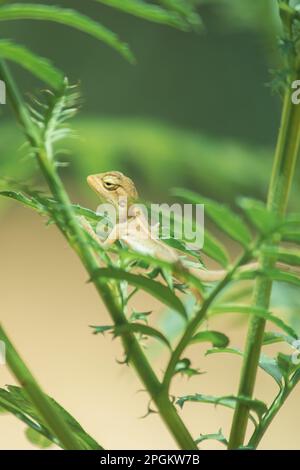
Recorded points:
(196, 321)
(279, 189)
(83, 247)
(272, 412)
(39, 399)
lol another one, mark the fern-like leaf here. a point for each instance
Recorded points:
(51, 114)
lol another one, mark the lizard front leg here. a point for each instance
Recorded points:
(114, 235)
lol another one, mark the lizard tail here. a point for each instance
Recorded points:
(218, 275)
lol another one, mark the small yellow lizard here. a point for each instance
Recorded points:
(132, 227)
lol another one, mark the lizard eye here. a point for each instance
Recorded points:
(109, 185)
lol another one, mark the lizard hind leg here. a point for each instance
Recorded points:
(178, 274)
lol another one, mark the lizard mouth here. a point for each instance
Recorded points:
(92, 181)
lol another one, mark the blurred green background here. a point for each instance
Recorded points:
(195, 110)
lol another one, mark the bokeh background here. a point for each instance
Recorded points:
(196, 111)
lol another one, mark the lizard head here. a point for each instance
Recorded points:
(113, 186)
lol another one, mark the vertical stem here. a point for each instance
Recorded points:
(279, 189)
(40, 400)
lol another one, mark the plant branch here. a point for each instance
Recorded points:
(272, 412)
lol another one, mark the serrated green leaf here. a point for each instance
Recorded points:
(187, 10)
(15, 401)
(274, 274)
(286, 364)
(215, 250)
(38, 66)
(218, 340)
(229, 401)
(25, 200)
(175, 268)
(158, 290)
(37, 439)
(224, 350)
(66, 17)
(133, 328)
(280, 276)
(287, 256)
(102, 329)
(216, 437)
(181, 246)
(251, 310)
(221, 215)
(268, 364)
(148, 12)
(182, 364)
(257, 212)
(139, 316)
(143, 329)
(184, 367)
(271, 337)
(43, 204)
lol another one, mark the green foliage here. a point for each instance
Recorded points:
(257, 406)
(217, 437)
(157, 14)
(262, 219)
(222, 216)
(274, 274)
(185, 19)
(162, 293)
(251, 310)
(44, 125)
(144, 330)
(66, 17)
(38, 66)
(217, 339)
(52, 128)
(288, 256)
(186, 9)
(184, 367)
(275, 337)
(268, 364)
